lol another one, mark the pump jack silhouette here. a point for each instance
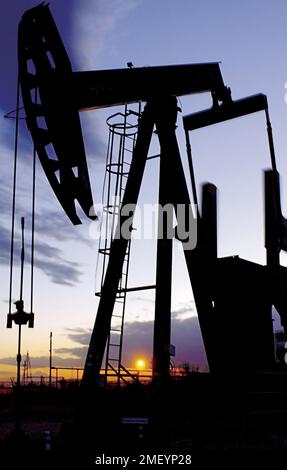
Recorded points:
(234, 297)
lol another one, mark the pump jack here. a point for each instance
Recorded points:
(217, 284)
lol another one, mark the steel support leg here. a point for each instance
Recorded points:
(165, 122)
(197, 259)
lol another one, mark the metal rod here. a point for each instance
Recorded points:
(270, 140)
(50, 361)
(19, 357)
(162, 320)
(190, 166)
(33, 225)
(14, 196)
(22, 258)
(18, 386)
(132, 289)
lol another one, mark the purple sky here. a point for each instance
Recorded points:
(249, 38)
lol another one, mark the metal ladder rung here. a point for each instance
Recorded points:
(114, 330)
(129, 136)
(153, 156)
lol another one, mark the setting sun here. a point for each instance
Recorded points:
(140, 363)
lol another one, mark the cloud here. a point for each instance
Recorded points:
(52, 224)
(186, 336)
(5, 198)
(138, 339)
(91, 25)
(5, 245)
(60, 271)
(91, 35)
(78, 353)
(7, 133)
(48, 259)
(51, 227)
(187, 310)
(43, 361)
(79, 335)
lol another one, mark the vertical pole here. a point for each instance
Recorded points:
(270, 141)
(14, 196)
(197, 262)
(273, 218)
(190, 166)
(50, 361)
(33, 231)
(162, 322)
(18, 384)
(19, 358)
(22, 258)
(165, 121)
(21, 300)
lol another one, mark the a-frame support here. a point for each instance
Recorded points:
(162, 114)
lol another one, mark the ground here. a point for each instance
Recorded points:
(215, 422)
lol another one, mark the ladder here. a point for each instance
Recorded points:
(121, 141)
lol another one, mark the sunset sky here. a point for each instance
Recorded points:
(249, 39)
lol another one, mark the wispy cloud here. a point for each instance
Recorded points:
(60, 271)
(91, 27)
(79, 335)
(138, 339)
(49, 259)
(79, 353)
(52, 229)
(93, 21)
(5, 245)
(186, 336)
(185, 311)
(43, 361)
(53, 225)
